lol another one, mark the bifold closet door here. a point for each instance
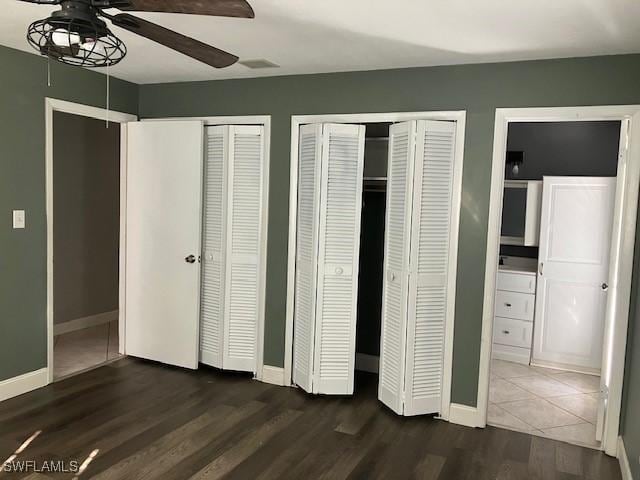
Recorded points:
(233, 234)
(214, 242)
(330, 163)
(418, 230)
(244, 237)
(338, 257)
(164, 184)
(400, 168)
(308, 214)
(429, 264)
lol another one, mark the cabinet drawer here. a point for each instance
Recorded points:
(516, 282)
(515, 305)
(517, 333)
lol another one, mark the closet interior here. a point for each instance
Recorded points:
(370, 280)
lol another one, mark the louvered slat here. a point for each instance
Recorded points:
(310, 146)
(244, 225)
(429, 263)
(396, 264)
(338, 251)
(213, 267)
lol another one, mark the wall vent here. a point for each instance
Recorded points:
(259, 63)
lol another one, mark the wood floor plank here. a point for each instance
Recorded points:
(232, 457)
(147, 421)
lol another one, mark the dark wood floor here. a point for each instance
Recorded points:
(148, 421)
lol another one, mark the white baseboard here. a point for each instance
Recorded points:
(625, 468)
(464, 415)
(85, 322)
(12, 387)
(273, 375)
(367, 363)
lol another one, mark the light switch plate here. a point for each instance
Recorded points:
(18, 219)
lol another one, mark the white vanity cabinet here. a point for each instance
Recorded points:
(514, 313)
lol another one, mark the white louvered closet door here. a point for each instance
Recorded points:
(243, 236)
(429, 263)
(338, 252)
(396, 264)
(213, 264)
(309, 157)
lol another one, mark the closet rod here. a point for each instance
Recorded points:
(375, 179)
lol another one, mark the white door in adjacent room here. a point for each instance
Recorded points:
(575, 238)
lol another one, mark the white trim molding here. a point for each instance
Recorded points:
(265, 121)
(464, 415)
(55, 105)
(458, 116)
(622, 247)
(84, 322)
(273, 375)
(27, 382)
(623, 459)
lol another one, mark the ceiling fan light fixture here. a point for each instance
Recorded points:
(64, 38)
(83, 42)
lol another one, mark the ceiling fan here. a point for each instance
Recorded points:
(77, 34)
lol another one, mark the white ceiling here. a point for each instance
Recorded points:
(311, 36)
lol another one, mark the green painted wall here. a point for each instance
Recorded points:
(478, 89)
(23, 88)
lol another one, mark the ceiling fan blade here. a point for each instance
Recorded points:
(192, 48)
(222, 8)
(42, 2)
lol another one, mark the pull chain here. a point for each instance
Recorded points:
(107, 103)
(48, 72)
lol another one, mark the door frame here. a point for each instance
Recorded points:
(458, 116)
(621, 257)
(55, 105)
(265, 122)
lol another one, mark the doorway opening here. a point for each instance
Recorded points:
(557, 219)
(86, 234)
(85, 173)
(584, 226)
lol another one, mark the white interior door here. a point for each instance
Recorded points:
(244, 237)
(400, 167)
(214, 243)
(429, 266)
(309, 158)
(338, 257)
(164, 183)
(575, 236)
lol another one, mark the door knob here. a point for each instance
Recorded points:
(190, 259)
(604, 286)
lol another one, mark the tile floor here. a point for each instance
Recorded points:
(541, 401)
(80, 350)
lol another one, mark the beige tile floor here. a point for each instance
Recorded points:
(80, 350)
(542, 401)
